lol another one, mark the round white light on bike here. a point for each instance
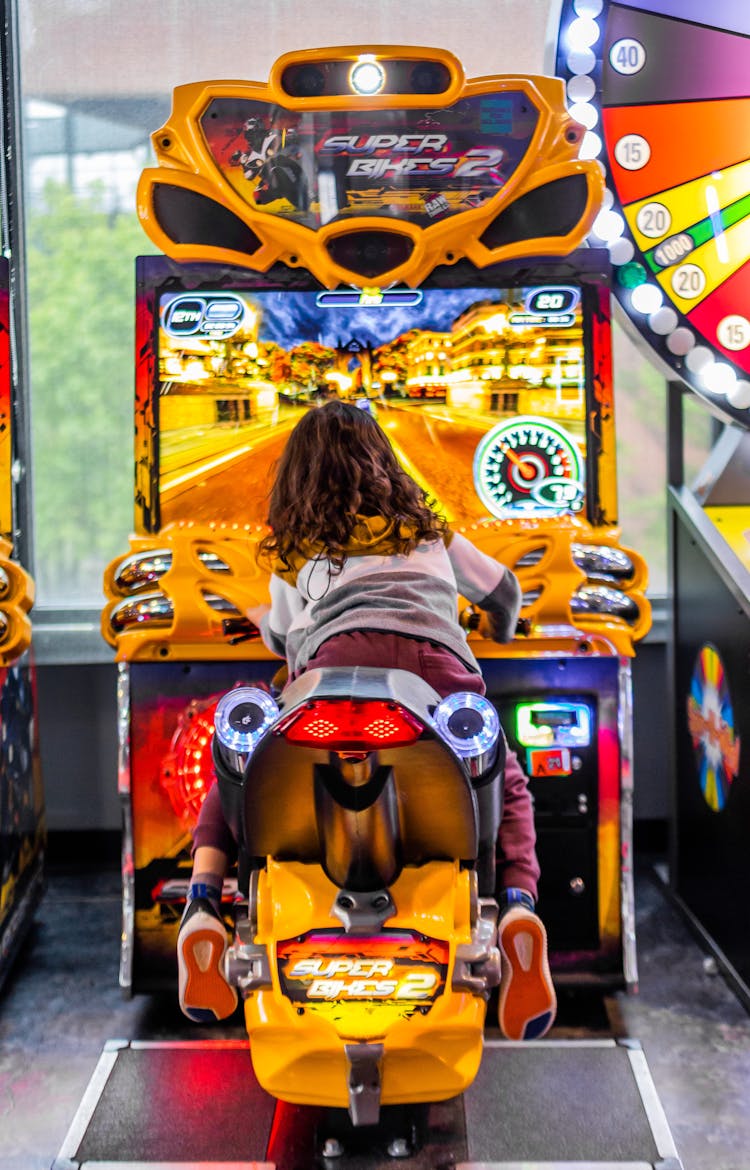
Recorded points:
(367, 77)
(243, 716)
(468, 723)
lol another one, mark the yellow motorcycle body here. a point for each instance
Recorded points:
(367, 950)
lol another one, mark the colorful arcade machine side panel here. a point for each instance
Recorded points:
(710, 870)
(710, 573)
(22, 824)
(166, 725)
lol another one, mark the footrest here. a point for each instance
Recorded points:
(535, 1105)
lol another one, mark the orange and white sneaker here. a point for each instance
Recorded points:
(527, 1001)
(205, 996)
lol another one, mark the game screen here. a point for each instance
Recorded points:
(481, 391)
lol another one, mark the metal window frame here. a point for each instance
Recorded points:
(13, 246)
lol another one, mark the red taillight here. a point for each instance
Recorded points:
(351, 725)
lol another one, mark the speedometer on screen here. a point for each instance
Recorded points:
(529, 466)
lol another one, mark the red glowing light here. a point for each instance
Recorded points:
(187, 770)
(351, 725)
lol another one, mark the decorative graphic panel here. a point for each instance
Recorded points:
(319, 166)
(711, 725)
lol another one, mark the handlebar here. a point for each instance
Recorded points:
(239, 629)
(470, 619)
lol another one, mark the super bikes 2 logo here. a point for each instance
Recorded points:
(418, 977)
(378, 156)
(362, 979)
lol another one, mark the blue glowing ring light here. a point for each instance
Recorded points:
(484, 739)
(238, 738)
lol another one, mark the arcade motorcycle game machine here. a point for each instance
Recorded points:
(22, 823)
(372, 226)
(664, 89)
(379, 240)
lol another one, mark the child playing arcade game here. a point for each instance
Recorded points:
(365, 573)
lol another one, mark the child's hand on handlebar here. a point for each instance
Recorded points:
(476, 620)
(472, 619)
(484, 628)
(241, 629)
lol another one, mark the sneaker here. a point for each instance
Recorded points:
(205, 996)
(527, 1001)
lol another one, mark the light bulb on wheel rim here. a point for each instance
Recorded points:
(647, 298)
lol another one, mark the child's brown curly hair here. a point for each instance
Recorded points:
(338, 464)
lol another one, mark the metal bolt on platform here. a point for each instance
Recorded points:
(332, 1148)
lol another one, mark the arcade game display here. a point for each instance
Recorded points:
(664, 88)
(373, 228)
(22, 827)
(396, 273)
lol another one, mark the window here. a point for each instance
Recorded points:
(97, 78)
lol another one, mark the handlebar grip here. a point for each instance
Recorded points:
(469, 618)
(239, 630)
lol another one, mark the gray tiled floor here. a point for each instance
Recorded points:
(696, 1037)
(61, 1002)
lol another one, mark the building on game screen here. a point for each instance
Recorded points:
(206, 381)
(488, 365)
(429, 364)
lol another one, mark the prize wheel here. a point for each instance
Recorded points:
(663, 88)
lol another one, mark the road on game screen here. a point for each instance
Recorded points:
(226, 477)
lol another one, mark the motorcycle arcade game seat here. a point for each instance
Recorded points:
(353, 812)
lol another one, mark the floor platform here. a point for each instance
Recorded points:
(545, 1105)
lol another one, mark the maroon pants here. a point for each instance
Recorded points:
(437, 666)
(517, 863)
